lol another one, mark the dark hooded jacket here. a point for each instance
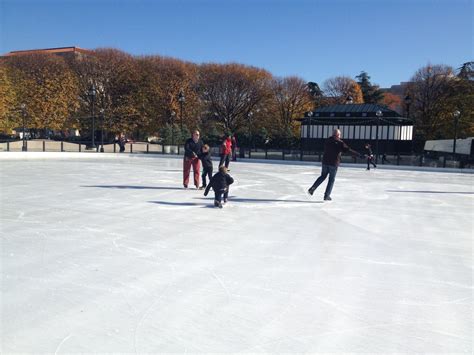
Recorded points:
(219, 182)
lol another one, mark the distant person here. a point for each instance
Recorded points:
(121, 141)
(205, 157)
(234, 148)
(384, 159)
(226, 151)
(370, 156)
(333, 147)
(220, 184)
(192, 148)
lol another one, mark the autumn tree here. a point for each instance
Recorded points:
(48, 88)
(430, 89)
(371, 93)
(9, 108)
(339, 88)
(291, 99)
(231, 91)
(392, 101)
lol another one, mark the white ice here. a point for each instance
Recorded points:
(110, 254)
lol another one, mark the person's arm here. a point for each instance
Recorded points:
(229, 179)
(347, 149)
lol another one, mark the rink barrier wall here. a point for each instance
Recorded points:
(144, 156)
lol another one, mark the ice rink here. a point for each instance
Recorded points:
(110, 254)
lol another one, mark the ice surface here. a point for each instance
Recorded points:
(111, 255)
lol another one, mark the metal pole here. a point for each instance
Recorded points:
(23, 111)
(93, 123)
(181, 114)
(456, 117)
(102, 133)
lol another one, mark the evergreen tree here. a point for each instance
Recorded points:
(371, 93)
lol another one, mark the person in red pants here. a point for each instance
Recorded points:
(192, 148)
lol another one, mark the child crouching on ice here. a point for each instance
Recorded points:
(220, 184)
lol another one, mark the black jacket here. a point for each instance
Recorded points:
(219, 182)
(333, 147)
(192, 148)
(206, 159)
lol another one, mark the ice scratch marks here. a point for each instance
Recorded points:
(221, 283)
(61, 343)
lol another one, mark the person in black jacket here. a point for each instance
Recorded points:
(192, 148)
(370, 156)
(205, 157)
(220, 184)
(333, 147)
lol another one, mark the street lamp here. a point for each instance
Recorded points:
(378, 114)
(308, 126)
(23, 113)
(102, 130)
(456, 115)
(181, 100)
(92, 94)
(349, 100)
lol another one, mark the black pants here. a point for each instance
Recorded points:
(206, 171)
(220, 194)
(226, 158)
(370, 161)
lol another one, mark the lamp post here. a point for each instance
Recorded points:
(172, 127)
(92, 94)
(308, 126)
(407, 104)
(23, 114)
(349, 100)
(181, 100)
(456, 115)
(378, 114)
(102, 130)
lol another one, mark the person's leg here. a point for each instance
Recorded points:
(368, 163)
(320, 179)
(203, 176)
(186, 170)
(373, 163)
(222, 160)
(227, 160)
(218, 199)
(196, 170)
(226, 194)
(332, 178)
(209, 173)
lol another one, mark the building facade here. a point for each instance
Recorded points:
(359, 124)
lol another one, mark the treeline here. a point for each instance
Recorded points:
(146, 96)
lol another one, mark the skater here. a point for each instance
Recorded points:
(192, 148)
(234, 148)
(226, 151)
(205, 157)
(121, 141)
(220, 184)
(331, 159)
(370, 156)
(384, 159)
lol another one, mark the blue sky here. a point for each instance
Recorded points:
(312, 39)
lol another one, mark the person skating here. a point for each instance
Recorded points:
(370, 156)
(234, 148)
(220, 184)
(205, 157)
(226, 151)
(333, 147)
(192, 148)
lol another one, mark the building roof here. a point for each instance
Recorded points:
(58, 50)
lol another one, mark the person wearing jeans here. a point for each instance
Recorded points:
(333, 147)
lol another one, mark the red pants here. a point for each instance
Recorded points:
(187, 162)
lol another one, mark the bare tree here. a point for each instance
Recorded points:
(341, 87)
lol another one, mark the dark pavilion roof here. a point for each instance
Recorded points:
(353, 114)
